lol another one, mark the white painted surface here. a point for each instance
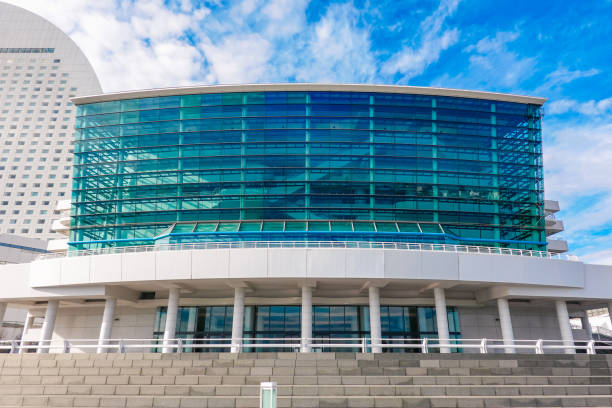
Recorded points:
(211, 264)
(177, 266)
(287, 263)
(107, 323)
(171, 316)
(375, 329)
(564, 325)
(441, 317)
(505, 321)
(46, 331)
(306, 324)
(106, 268)
(238, 320)
(3, 306)
(319, 263)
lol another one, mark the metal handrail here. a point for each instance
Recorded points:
(365, 344)
(412, 246)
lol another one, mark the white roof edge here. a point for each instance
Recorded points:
(202, 89)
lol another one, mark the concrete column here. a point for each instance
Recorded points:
(48, 325)
(586, 325)
(26, 325)
(506, 324)
(107, 324)
(375, 332)
(171, 315)
(2, 311)
(238, 320)
(306, 319)
(564, 326)
(441, 318)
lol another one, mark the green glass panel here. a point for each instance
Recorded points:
(228, 227)
(386, 227)
(341, 226)
(431, 228)
(183, 228)
(250, 226)
(364, 227)
(273, 226)
(408, 227)
(318, 226)
(295, 226)
(206, 227)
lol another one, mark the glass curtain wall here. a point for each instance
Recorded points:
(329, 323)
(265, 165)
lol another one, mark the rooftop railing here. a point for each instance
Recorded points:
(472, 249)
(358, 344)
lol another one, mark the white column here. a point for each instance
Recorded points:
(564, 326)
(375, 332)
(306, 319)
(441, 318)
(610, 312)
(107, 324)
(238, 320)
(47, 328)
(586, 325)
(506, 324)
(171, 315)
(26, 325)
(2, 311)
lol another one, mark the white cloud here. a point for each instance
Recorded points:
(337, 49)
(238, 59)
(492, 61)
(130, 45)
(562, 76)
(589, 108)
(578, 164)
(412, 60)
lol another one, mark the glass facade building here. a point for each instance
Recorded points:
(308, 165)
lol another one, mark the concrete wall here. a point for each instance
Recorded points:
(306, 263)
(528, 323)
(84, 323)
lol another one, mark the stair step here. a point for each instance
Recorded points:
(306, 402)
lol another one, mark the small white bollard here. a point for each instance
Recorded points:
(267, 395)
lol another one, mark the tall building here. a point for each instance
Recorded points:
(311, 212)
(41, 69)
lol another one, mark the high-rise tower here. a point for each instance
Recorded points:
(41, 68)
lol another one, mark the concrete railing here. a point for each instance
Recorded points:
(362, 344)
(472, 249)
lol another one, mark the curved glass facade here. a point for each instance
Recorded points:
(349, 166)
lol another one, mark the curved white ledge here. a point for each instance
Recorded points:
(418, 90)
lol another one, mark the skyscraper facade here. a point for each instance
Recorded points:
(41, 69)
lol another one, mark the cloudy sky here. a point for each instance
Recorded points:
(554, 49)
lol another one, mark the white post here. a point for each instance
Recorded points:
(586, 325)
(306, 332)
(375, 332)
(564, 326)
(26, 325)
(48, 325)
(171, 315)
(506, 324)
(238, 320)
(441, 318)
(107, 324)
(2, 311)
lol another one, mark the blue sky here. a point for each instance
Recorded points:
(560, 50)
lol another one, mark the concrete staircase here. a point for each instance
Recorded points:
(305, 380)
